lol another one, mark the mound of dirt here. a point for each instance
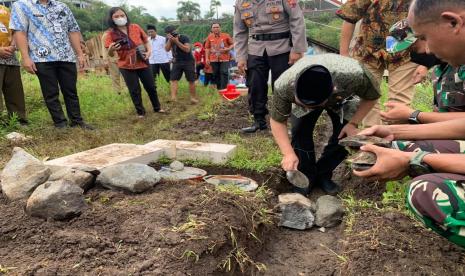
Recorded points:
(229, 117)
(174, 229)
(392, 243)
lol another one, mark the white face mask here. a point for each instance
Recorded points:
(121, 21)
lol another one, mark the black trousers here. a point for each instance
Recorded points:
(258, 68)
(302, 142)
(131, 78)
(64, 74)
(220, 73)
(165, 69)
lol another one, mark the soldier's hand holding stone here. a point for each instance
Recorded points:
(378, 131)
(391, 164)
(397, 112)
(294, 57)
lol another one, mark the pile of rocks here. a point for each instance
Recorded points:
(54, 192)
(299, 212)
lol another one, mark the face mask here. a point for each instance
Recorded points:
(120, 21)
(428, 60)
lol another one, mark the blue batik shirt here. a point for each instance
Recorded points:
(47, 27)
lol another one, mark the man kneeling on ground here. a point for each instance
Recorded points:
(337, 84)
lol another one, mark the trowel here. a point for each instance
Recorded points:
(298, 179)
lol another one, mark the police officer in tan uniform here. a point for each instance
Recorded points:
(268, 35)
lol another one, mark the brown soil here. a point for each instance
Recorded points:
(383, 243)
(229, 117)
(150, 233)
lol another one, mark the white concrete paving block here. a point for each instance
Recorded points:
(108, 155)
(213, 152)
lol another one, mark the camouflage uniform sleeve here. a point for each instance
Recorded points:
(241, 34)
(281, 107)
(353, 10)
(370, 87)
(296, 25)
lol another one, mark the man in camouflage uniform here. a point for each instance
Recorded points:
(448, 81)
(376, 19)
(337, 84)
(268, 35)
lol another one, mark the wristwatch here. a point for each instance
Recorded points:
(417, 166)
(413, 119)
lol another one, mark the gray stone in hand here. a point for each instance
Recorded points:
(56, 200)
(133, 177)
(329, 211)
(356, 141)
(22, 174)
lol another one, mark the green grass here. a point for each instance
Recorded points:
(113, 115)
(423, 99)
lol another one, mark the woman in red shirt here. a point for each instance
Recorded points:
(134, 49)
(199, 56)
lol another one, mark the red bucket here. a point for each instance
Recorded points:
(230, 93)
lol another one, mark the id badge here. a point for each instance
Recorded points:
(3, 28)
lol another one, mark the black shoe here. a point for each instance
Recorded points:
(328, 186)
(254, 128)
(82, 125)
(61, 125)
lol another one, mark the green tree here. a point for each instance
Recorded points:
(92, 20)
(214, 5)
(188, 10)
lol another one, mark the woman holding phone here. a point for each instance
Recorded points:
(134, 49)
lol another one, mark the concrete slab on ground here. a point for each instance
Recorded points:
(212, 152)
(111, 154)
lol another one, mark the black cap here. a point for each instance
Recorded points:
(169, 29)
(314, 85)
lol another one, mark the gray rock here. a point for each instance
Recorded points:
(132, 177)
(296, 211)
(56, 200)
(329, 211)
(296, 216)
(22, 174)
(88, 169)
(177, 166)
(296, 197)
(16, 137)
(83, 180)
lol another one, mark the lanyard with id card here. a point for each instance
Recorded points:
(3, 29)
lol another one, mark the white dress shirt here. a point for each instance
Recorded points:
(159, 54)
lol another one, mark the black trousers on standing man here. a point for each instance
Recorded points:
(220, 73)
(258, 68)
(64, 74)
(165, 69)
